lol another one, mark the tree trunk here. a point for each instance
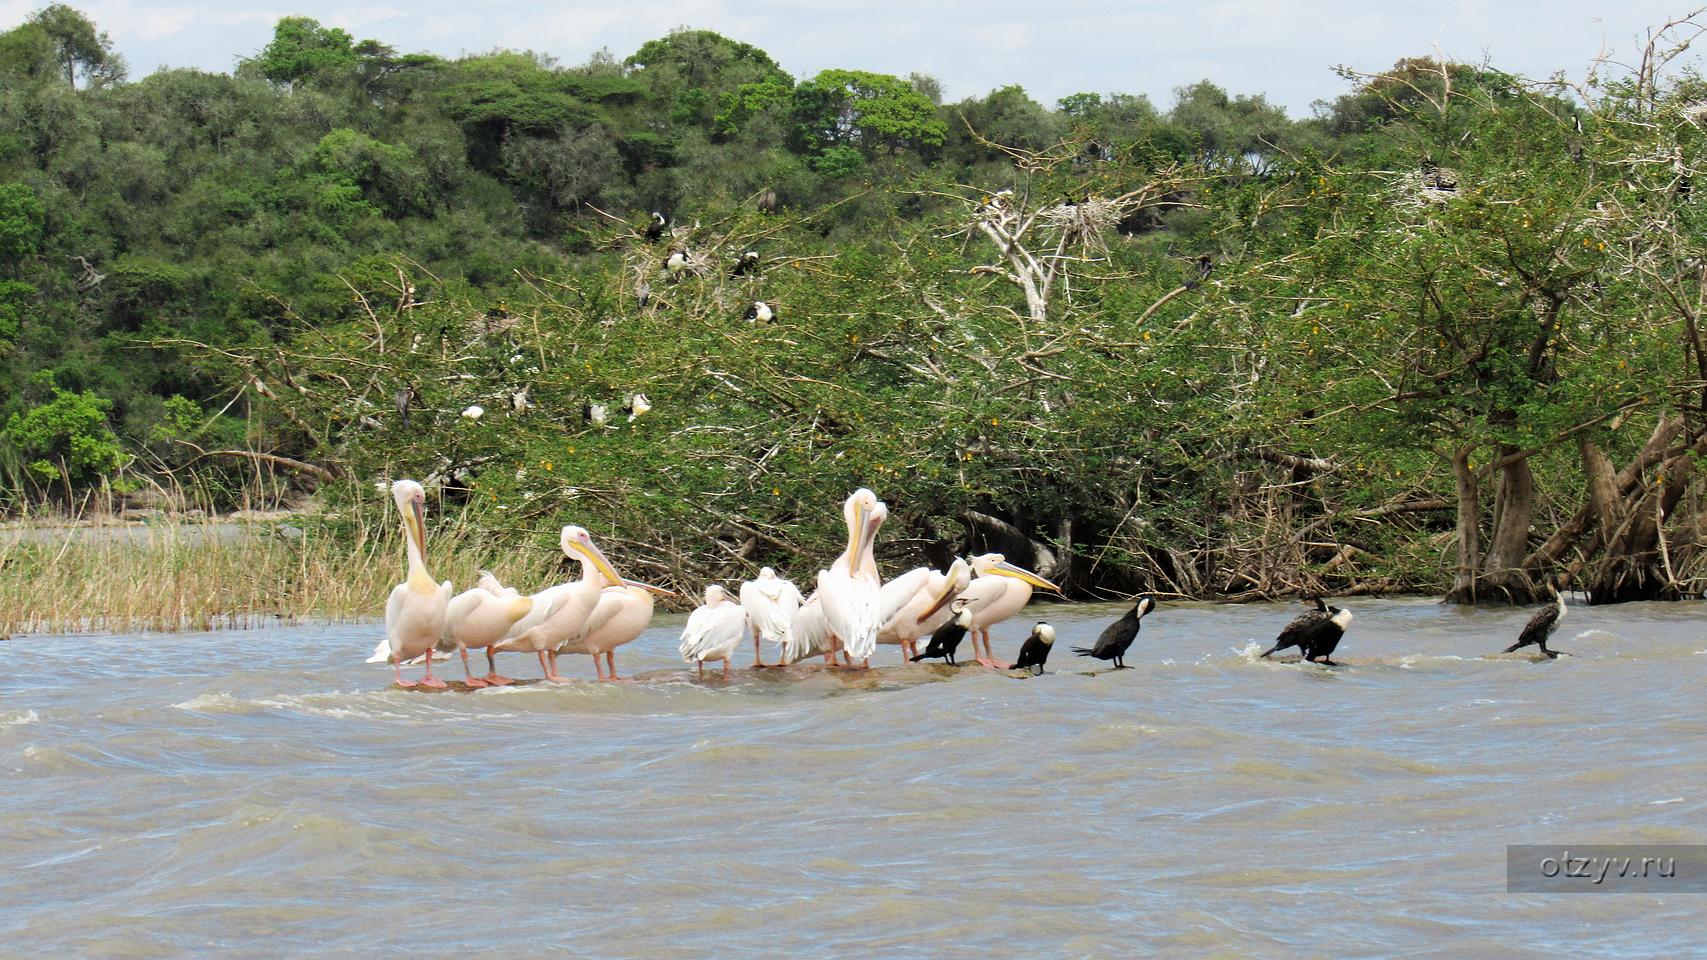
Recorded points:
(1572, 532)
(1632, 566)
(1469, 528)
(999, 536)
(1503, 574)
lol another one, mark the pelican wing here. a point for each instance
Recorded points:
(982, 592)
(610, 601)
(393, 610)
(810, 633)
(712, 633)
(545, 603)
(772, 611)
(899, 591)
(457, 611)
(693, 631)
(852, 608)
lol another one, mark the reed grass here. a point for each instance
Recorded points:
(73, 574)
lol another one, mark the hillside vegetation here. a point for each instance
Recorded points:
(1442, 336)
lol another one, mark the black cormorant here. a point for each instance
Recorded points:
(744, 264)
(1035, 650)
(1314, 632)
(947, 637)
(1540, 626)
(655, 229)
(1117, 636)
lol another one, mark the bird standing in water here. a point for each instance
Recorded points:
(1541, 626)
(1034, 652)
(415, 612)
(1117, 636)
(947, 637)
(998, 590)
(1314, 632)
(770, 603)
(713, 631)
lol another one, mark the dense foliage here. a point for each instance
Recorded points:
(1404, 344)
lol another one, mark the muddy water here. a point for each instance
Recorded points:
(265, 794)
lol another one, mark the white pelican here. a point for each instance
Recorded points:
(849, 592)
(771, 604)
(714, 630)
(565, 617)
(810, 634)
(480, 618)
(415, 612)
(998, 591)
(622, 614)
(919, 600)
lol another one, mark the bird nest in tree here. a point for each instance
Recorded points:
(1084, 221)
(698, 263)
(1429, 186)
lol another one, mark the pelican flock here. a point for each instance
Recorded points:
(847, 617)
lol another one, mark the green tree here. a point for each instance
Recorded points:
(70, 433)
(302, 50)
(873, 112)
(80, 49)
(21, 220)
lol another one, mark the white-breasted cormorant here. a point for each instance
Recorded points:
(1117, 636)
(947, 637)
(1314, 632)
(1540, 626)
(1035, 650)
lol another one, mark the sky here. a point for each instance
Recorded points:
(1284, 49)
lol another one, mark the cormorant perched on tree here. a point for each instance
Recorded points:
(1205, 264)
(744, 264)
(1035, 650)
(947, 637)
(1314, 632)
(1117, 636)
(676, 262)
(403, 398)
(1540, 626)
(1434, 178)
(759, 312)
(655, 229)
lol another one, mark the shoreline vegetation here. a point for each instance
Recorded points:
(1443, 337)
